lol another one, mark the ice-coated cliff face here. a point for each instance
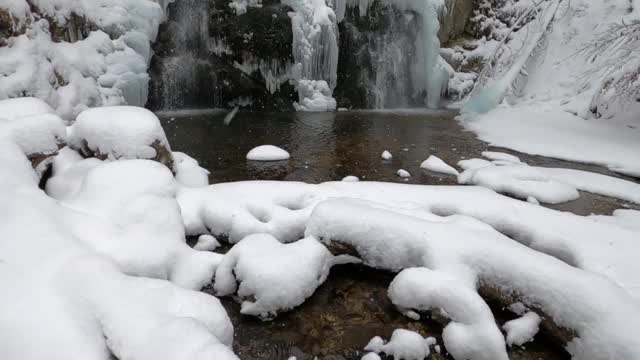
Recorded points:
(309, 55)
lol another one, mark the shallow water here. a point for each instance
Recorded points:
(352, 306)
(330, 146)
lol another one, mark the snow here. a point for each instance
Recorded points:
(118, 132)
(188, 171)
(350, 178)
(371, 356)
(267, 153)
(551, 132)
(103, 270)
(274, 276)
(523, 329)
(500, 156)
(403, 173)
(386, 155)
(206, 242)
(315, 53)
(435, 164)
(404, 344)
(314, 95)
(105, 67)
(510, 176)
(557, 102)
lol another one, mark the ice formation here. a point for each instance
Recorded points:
(403, 173)
(83, 69)
(275, 276)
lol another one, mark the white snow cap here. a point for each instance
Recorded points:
(523, 329)
(188, 171)
(536, 184)
(206, 242)
(404, 344)
(403, 173)
(350, 178)
(267, 153)
(435, 164)
(386, 155)
(118, 132)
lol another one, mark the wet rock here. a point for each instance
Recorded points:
(454, 21)
(207, 56)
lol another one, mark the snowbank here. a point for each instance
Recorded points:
(116, 132)
(80, 270)
(61, 61)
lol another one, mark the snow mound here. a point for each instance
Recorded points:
(350, 178)
(548, 185)
(188, 171)
(522, 330)
(521, 181)
(93, 274)
(206, 243)
(404, 344)
(435, 164)
(120, 132)
(277, 277)
(267, 153)
(403, 173)
(55, 57)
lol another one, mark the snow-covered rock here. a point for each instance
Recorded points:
(403, 173)
(536, 184)
(386, 155)
(206, 242)
(435, 164)
(404, 344)
(523, 329)
(275, 276)
(120, 132)
(267, 153)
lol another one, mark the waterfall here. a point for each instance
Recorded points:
(184, 72)
(407, 42)
(325, 53)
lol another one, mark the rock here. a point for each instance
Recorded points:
(454, 22)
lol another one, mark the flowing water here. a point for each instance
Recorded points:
(352, 305)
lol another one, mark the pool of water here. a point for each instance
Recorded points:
(330, 146)
(352, 305)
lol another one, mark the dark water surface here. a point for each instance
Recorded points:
(330, 146)
(352, 305)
